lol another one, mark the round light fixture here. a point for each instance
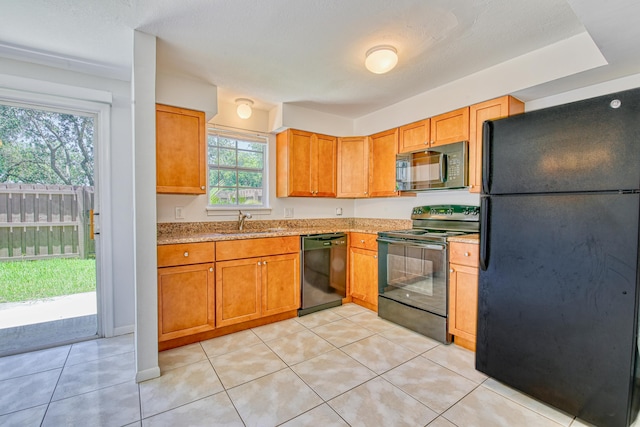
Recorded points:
(244, 108)
(381, 59)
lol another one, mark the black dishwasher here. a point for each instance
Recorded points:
(324, 271)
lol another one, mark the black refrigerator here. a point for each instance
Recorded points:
(558, 286)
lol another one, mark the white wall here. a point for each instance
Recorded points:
(617, 85)
(186, 93)
(143, 87)
(400, 207)
(121, 176)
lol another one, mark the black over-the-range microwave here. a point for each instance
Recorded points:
(438, 168)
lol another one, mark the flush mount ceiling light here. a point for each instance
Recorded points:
(244, 108)
(381, 59)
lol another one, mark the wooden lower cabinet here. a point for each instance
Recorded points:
(186, 300)
(363, 277)
(463, 293)
(280, 284)
(251, 288)
(238, 291)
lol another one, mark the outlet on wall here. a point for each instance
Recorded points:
(288, 212)
(179, 212)
(339, 211)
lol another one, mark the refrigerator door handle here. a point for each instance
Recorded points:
(485, 205)
(487, 133)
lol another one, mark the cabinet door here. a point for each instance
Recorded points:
(382, 163)
(325, 165)
(300, 163)
(238, 291)
(414, 136)
(463, 304)
(180, 151)
(363, 276)
(186, 300)
(353, 167)
(479, 113)
(280, 283)
(450, 127)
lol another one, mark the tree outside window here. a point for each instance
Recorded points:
(236, 170)
(45, 147)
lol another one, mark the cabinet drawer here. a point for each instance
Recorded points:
(186, 253)
(364, 241)
(250, 248)
(464, 254)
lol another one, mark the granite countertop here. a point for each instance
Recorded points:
(175, 233)
(467, 238)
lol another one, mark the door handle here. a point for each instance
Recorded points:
(487, 133)
(485, 207)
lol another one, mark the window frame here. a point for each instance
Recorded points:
(245, 136)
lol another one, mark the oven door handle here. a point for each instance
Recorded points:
(412, 244)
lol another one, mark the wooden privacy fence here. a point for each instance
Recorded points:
(45, 221)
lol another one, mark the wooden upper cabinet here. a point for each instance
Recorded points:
(180, 151)
(305, 164)
(504, 106)
(353, 166)
(450, 127)
(325, 179)
(414, 136)
(383, 148)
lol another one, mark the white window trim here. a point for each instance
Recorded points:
(226, 210)
(102, 158)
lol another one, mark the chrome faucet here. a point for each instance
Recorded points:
(242, 217)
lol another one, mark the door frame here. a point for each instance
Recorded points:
(98, 104)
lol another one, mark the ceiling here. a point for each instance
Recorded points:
(311, 53)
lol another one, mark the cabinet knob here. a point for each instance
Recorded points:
(362, 241)
(259, 263)
(264, 262)
(375, 257)
(366, 193)
(426, 143)
(186, 254)
(202, 187)
(210, 268)
(451, 270)
(431, 142)
(466, 254)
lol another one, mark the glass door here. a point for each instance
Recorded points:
(48, 279)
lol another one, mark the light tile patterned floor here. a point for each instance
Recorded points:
(339, 367)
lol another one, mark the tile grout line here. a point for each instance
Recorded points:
(224, 389)
(53, 392)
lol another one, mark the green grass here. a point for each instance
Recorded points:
(32, 280)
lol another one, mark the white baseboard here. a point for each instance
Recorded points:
(123, 330)
(147, 374)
